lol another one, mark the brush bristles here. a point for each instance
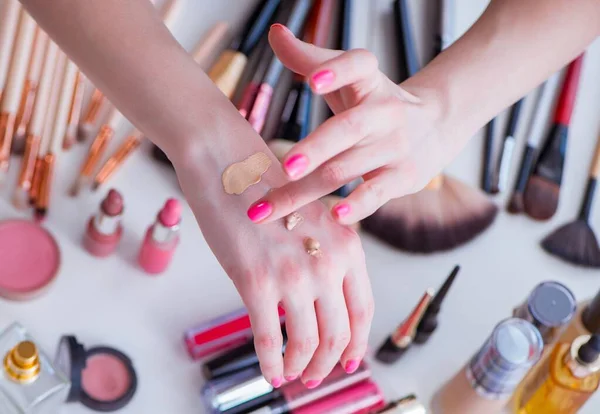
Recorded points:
(575, 243)
(84, 131)
(433, 220)
(516, 204)
(541, 198)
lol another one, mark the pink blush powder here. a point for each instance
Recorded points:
(105, 377)
(30, 259)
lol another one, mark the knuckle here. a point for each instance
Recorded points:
(288, 197)
(291, 272)
(364, 314)
(304, 346)
(374, 192)
(268, 342)
(367, 58)
(333, 174)
(256, 279)
(352, 124)
(337, 343)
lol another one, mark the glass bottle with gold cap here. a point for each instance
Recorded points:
(29, 384)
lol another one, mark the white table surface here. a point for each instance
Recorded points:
(112, 302)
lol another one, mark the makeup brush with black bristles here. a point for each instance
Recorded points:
(576, 242)
(444, 215)
(542, 109)
(543, 189)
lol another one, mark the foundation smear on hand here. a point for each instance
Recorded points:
(241, 175)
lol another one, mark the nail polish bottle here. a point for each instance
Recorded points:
(429, 322)
(30, 383)
(488, 380)
(574, 377)
(161, 239)
(104, 230)
(400, 340)
(550, 307)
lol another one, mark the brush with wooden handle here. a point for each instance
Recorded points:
(9, 19)
(75, 111)
(111, 166)
(228, 69)
(542, 109)
(32, 80)
(576, 242)
(543, 189)
(35, 130)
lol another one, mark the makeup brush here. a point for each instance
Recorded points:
(30, 87)
(248, 96)
(209, 43)
(169, 13)
(400, 340)
(508, 147)
(56, 141)
(408, 58)
(75, 111)
(446, 214)
(576, 242)
(226, 72)
(542, 108)
(543, 189)
(97, 149)
(429, 323)
(14, 87)
(487, 177)
(9, 19)
(295, 119)
(35, 129)
(258, 114)
(129, 145)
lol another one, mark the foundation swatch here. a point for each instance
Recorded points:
(312, 246)
(293, 220)
(241, 175)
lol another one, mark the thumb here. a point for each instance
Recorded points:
(298, 56)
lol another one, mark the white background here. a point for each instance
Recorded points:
(112, 302)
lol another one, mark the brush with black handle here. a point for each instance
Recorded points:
(487, 177)
(508, 146)
(542, 109)
(543, 189)
(576, 242)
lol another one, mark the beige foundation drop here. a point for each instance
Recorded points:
(312, 246)
(241, 175)
(293, 220)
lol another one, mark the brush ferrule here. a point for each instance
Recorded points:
(552, 157)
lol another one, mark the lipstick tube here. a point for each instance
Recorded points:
(9, 19)
(362, 398)
(111, 166)
(104, 230)
(14, 86)
(221, 334)
(161, 239)
(295, 396)
(30, 90)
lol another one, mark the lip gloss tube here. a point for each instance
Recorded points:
(104, 230)
(221, 334)
(362, 398)
(161, 239)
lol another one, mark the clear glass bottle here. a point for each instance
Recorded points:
(29, 383)
(574, 377)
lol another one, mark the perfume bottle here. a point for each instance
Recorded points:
(550, 307)
(30, 383)
(574, 377)
(488, 380)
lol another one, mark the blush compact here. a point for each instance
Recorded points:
(102, 378)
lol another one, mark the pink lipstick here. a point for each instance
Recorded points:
(104, 230)
(161, 239)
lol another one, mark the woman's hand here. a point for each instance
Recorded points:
(327, 299)
(381, 132)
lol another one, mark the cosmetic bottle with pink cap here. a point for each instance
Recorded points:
(161, 239)
(104, 230)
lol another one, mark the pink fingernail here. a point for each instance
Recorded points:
(276, 382)
(291, 377)
(260, 211)
(351, 366)
(341, 210)
(313, 384)
(295, 165)
(322, 79)
(281, 26)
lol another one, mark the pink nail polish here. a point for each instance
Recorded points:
(295, 165)
(341, 210)
(312, 384)
(291, 377)
(351, 366)
(260, 211)
(276, 382)
(322, 79)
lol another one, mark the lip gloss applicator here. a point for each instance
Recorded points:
(14, 86)
(161, 239)
(104, 230)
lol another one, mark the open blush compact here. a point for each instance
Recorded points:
(102, 378)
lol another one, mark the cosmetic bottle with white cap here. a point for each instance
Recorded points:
(30, 382)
